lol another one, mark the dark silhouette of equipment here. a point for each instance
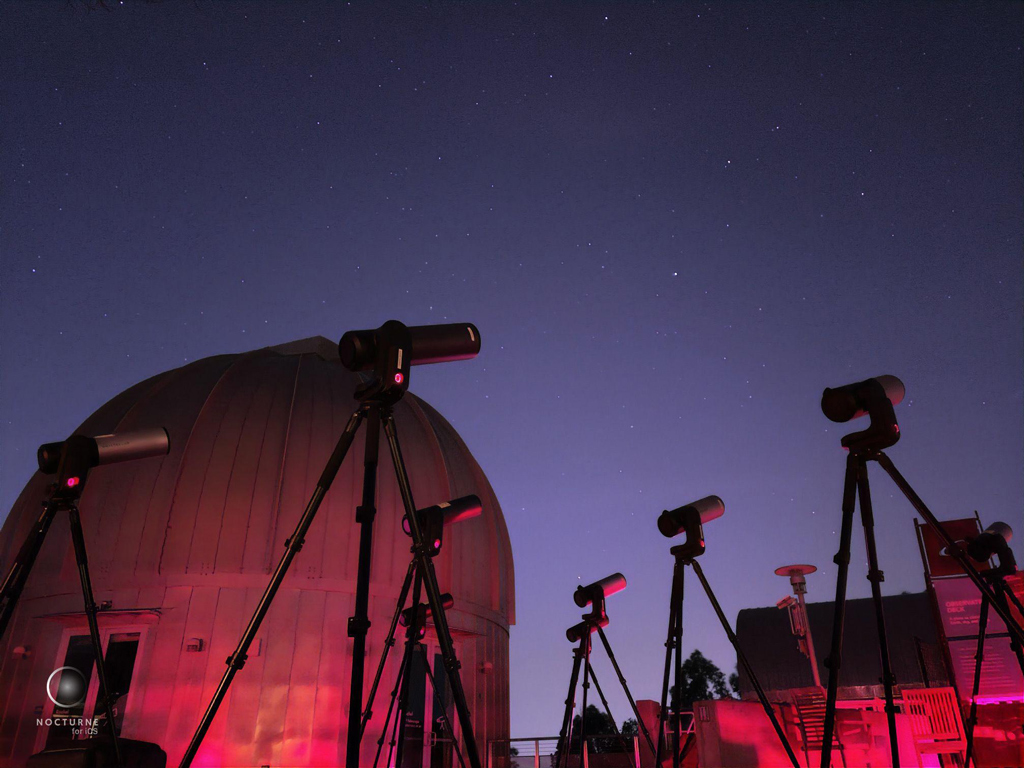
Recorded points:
(596, 620)
(71, 461)
(875, 398)
(689, 519)
(389, 352)
(994, 541)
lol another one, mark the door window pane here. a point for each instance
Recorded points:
(68, 689)
(119, 664)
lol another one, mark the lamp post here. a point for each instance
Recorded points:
(798, 612)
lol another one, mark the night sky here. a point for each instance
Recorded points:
(674, 225)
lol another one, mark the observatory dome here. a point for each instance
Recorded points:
(181, 548)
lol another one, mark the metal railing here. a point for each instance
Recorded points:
(602, 751)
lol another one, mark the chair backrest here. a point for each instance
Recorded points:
(934, 714)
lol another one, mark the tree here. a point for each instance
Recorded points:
(701, 680)
(598, 725)
(734, 683)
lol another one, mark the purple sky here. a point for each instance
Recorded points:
(674, 225)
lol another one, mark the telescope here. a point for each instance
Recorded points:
(427, 344)
(609, 585)
(577, 632)
(103, 449)
(420, 613)
(852, 401)
(433, 520)
(594, 595)
(690, 519)
(673, 522)
(390, 350)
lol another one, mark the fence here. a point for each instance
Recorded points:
(602, 751)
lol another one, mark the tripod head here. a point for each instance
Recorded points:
(72, 459)
(389, 351)
(994, 541)
(873, 397)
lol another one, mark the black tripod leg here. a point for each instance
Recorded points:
(565, 735)
(632, 703)
(393, 742)
(391, 706)
(16, 577)
(854, 465)
(678, 683)
(388, 644)
(608, 711)
(742, 657)
(876, 577)
(359, 623)
(78, 539)
(583, 709)
(411, 643)
(426, 569)
(669, 647)
(237, 659)
(982, 624)
(952, 548)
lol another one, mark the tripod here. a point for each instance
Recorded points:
(581, 657)
(391, 353)
(685, 554)
(415, 619)
(863, 447)
(1002, 593)
(67, 490)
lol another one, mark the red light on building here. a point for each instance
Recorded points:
(399, 378)
(73, 481)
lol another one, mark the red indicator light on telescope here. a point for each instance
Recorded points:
(72, 482)
(399, 378)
